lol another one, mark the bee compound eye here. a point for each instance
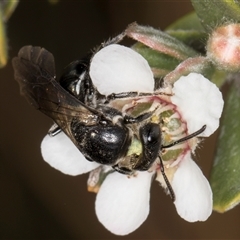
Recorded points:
(150, 136)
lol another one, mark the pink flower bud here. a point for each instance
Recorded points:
(223, 47)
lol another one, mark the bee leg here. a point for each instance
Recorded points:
(54, 130)
(140, 118)
(122, 170)
(128, 119)
(114, 96)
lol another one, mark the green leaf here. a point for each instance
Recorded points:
(218, 77)
(189, 30)
(161, 64)
(160, 41)
(188, 22)
(3, 41)
(214, 13)
(225, 176)
(8, 8)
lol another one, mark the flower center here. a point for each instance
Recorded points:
(164, 113)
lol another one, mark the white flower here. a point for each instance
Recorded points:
(193, 193)
(61, 154)
(122, 202)
(119, 76)
(199, 101)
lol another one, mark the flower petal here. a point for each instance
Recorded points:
(63, 155)
(193, 192)
(122, 203)
(116, 69)
(199, 101)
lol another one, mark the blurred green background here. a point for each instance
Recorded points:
(38, 202)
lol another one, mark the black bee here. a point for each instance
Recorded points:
(101, 132)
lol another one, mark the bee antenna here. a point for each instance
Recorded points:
(186, 138)
(169, 186)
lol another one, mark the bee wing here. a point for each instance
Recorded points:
(34, 69)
